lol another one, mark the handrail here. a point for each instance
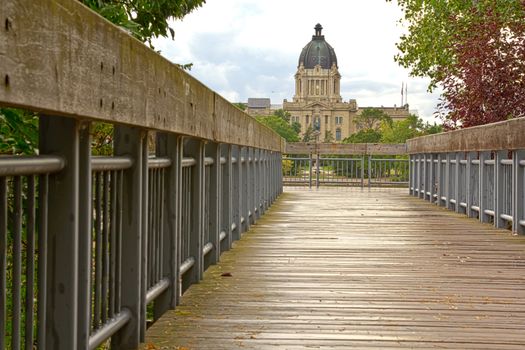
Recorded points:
(16, 165)
(506, 135)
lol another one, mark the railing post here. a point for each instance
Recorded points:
(214, 205)
(449, 177)
(498, 188)
(363, 171)
(468, 183)
(236, 192)
(431, 178)
(439, 180)
(280, 171)
(60, 136)
(85, 237)
(245, 198)
(310, 170)
(369, 171)
(253, 185)
(483, 156)
(226, 197)
(195, 149)
(317, 169)
(518, 190)
(423, 189)
(169, 146)
(132, 142)
(456, 182)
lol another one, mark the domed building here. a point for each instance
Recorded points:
(317, 102)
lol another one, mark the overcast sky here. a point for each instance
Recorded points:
(250, 48)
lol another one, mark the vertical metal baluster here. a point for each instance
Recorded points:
(118, 282)
(42, 261)
(98, 251)
(17, 263)
(105, 246)
(113, 244)
(3, 259)
(149, 244)
(30, 263)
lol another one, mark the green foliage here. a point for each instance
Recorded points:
(144, 19)
(280, 126)
(364, 136)
(328, 137)
(297, 127)
(240, 105)
(371, 118)
(433, 26)
(308, 134)
(18, 132)
(281, 113)
(401, 131)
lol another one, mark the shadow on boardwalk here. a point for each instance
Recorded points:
(354, 269)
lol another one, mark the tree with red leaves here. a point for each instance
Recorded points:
(474, 49)
(486, 82)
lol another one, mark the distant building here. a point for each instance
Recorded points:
(317, 102)
(258, 106)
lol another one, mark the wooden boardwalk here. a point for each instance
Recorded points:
(352, 269)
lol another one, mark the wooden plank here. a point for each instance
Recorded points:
(507, 135)
(345, 268)
(61, 58)
(345, 149)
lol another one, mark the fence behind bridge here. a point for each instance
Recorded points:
(361, 165)
(92, 249)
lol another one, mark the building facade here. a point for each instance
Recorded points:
(317, 102)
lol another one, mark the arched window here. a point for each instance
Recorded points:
(338, 134)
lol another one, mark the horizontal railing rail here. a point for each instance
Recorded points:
(94, 249)
(479, 172)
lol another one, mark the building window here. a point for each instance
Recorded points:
(307, 120)
(317, 123)
(326, 119)
(338, 134)
(339, 120)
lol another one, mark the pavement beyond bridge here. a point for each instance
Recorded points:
(345, 268)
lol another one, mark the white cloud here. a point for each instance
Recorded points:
(248, 48)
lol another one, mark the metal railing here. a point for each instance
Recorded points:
(333, 165)
(482, 176)
(94, 249)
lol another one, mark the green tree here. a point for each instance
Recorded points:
(371, 118)
(402, 130)
(144, 19)
(280, 126)
(433, 28)
(328, 137)
(18, 132)
(281, 113)
(364, 136)
(297, 127)
(308, 135)
(240, 105)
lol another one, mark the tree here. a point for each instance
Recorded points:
(240, 105)
(281, 113)
(328, 137)
(308, 134)
(432, 25)
(474, 50)
(486, 83)
(371, 118)
(280, 126)
(364, 136)
(402, 130)
(144, 19)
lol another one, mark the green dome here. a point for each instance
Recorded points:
(318, 51)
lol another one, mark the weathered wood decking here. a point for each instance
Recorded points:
(357, 269)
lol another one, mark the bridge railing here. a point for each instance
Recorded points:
(93, 249)
(479, 172)
(361, 165)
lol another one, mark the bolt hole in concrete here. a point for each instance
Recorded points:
(6, 80)
(7, 24)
